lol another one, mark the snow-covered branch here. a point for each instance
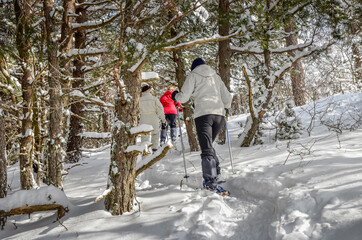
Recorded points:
(87, 4)
(149, 161)
(95, 135)
(86, 52)
(215, 38)
(7, 87)
(300, 55)
(248, 50)
(178, 17)
(94, 24)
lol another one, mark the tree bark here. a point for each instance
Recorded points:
(105, 112)
(356, 57)
(23, 45)
(75, 140)
(297, 72)
(66, 45)
(187, 110)
(224, 53)
(122, 172)
(55, 116)
(3, 160)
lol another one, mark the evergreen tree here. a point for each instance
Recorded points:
(289, 126)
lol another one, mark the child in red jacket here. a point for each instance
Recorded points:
(170, 110)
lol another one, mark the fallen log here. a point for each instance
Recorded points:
(37, 208)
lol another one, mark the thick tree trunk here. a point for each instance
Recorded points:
(122, 172)
(55, 116)
(3, 160)
(23, 45)
(224, 52)
(297, 73)
(26, 140)
(75, 141)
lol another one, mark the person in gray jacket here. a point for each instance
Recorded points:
(211, 98)
(151, 112)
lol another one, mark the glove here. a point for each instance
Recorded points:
(173, 95)
(226, 112)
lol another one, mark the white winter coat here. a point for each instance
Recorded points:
(151, 111)
(208, 91)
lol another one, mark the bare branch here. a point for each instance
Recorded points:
(250, 92)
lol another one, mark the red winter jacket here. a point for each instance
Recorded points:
(168, 104)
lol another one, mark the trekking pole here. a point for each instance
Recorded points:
(182, 144)
(227, 133)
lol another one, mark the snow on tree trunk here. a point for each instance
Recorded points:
(3, 160)
(23, 45)
(66, 46)
(297, 72)
(75, 129)
(26, 139)
(55, 156)
(224, 53)
(122, 172)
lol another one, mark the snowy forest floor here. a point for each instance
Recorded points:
(316, 194)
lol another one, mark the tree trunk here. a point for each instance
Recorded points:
(75, 141)
(23, 45)
(187, 110)
(356, 57)
(26, 139)
(55, 116)
(224, 53)
(3, 160)
(297, 72)
(105, 111)
(122, 171)
(66, 45)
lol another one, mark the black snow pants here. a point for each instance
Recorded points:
(207, 127)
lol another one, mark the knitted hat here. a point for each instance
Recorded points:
(197, 62)
(145, 87)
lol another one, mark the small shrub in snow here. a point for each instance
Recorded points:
(289, 126)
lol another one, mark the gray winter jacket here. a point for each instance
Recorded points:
(208, 91)
(151, 107)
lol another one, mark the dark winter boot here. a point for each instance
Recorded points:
(173, 134)
(209, 171)
(163, 136)
(219, 179)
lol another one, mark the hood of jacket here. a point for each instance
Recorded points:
(204, 70)
(167, 94)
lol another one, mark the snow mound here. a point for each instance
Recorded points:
(33, 197)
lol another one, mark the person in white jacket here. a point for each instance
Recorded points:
(151, 112)
(211, 98)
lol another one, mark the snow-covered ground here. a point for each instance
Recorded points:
(309, 188)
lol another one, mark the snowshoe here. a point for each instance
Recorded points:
(219, 190)
(222, 192)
